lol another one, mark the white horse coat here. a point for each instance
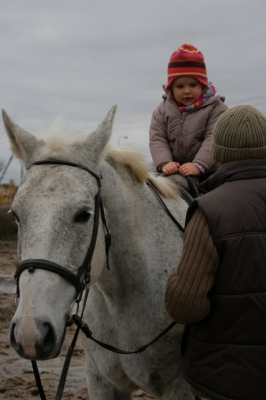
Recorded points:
(54, 208)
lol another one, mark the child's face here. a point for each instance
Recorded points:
(186, 90)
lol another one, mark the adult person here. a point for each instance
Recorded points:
(219, 288)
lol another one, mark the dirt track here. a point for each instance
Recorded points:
(16, 377)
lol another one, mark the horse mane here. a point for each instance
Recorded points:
(137, 164)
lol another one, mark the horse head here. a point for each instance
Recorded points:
(55, 210)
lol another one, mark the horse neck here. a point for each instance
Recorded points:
(124, 204)
(146, 244)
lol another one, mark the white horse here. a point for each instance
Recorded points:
(55, 210)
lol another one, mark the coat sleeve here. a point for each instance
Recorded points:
(203, 156)
(159, 144)
(186, 296)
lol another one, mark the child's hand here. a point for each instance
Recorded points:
(188, 169)
(170, 168)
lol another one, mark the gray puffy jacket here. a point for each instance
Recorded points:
(184, 137)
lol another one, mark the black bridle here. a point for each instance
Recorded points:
(82, 278)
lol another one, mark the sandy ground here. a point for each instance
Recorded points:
(16, 377)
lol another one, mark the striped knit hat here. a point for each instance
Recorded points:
(239, 134)
(187, 61)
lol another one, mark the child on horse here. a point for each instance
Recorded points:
(181, 126)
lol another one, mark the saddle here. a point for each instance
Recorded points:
(188, 185)
(193, 186)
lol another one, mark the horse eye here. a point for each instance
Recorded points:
(82, 217)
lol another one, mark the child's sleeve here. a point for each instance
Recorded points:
(159, 144)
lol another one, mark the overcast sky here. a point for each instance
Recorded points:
(79, 57)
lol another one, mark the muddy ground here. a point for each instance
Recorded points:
(16, 377)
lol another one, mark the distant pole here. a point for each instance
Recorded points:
(121, 137)
(5, 169)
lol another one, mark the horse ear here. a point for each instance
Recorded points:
(98, 140)
(23, 144)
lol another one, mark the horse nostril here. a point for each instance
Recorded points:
(13, 340)
(47, 342)
(49, 337)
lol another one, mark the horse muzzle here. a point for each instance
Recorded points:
(34, 339)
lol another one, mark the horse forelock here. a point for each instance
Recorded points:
(60, 143)
(66, 143)
(136, 162)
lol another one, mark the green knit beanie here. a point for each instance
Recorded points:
(239, 134)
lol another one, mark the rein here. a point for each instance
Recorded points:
(82, 278)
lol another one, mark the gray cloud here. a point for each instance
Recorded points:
(82, 57)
